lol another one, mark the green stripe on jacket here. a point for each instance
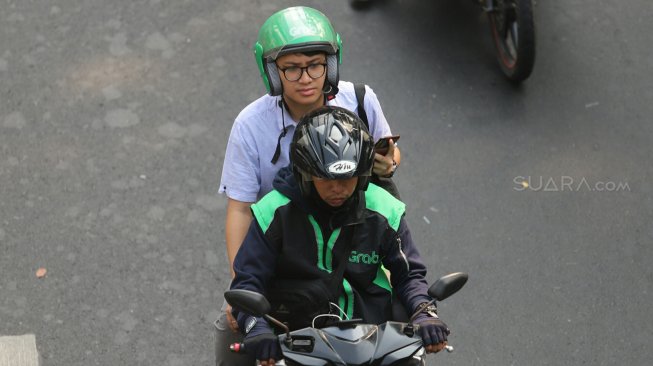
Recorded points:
(265, 208)
(379, 200)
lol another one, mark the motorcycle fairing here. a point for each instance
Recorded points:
(357, 344)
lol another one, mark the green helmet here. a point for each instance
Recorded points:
(291, 30)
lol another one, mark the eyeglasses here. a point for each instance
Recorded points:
(295, 73)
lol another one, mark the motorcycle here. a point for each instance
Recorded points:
(348, 341)
(513, 34)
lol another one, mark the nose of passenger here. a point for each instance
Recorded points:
(305, 78)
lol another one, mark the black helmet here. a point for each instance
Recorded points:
(331, 143)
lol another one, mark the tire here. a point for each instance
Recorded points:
(513, 33)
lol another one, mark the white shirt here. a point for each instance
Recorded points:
(247, 171)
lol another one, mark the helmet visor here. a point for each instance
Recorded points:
(326, 47)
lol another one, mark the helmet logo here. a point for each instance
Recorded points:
(303, 30)
(342, 167)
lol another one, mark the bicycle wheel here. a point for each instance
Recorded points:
(513, 32)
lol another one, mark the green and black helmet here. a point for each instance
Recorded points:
(291, 30)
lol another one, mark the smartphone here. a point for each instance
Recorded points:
(382, 146)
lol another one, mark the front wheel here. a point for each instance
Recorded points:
(513, 32)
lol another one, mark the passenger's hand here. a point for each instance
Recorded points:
(260, 341)
(384, 164)
(233, 324)
(433, 331)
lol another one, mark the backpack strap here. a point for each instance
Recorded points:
(385, 183)
(359, 89)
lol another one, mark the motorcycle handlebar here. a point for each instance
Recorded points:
(237, 347)
(240, 348)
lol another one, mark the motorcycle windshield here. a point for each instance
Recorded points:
(353, 345)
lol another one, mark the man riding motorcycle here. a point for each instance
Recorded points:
(322, 207)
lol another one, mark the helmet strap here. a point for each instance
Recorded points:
(277, 151)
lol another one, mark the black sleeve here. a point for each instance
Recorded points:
(408, 272)
(255, 261)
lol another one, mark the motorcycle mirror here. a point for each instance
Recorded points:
(448, 285)
(248, 301)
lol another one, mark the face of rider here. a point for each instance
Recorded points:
(335, 191)
(306, 93)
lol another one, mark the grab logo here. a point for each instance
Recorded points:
(357, 257)
(303, 30)
(342, 167)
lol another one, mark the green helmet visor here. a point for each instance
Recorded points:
(308, 47)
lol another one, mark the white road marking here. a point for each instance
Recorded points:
(18, 350)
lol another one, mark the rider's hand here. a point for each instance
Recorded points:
(260, 341)
(384, 165)
(233, 324)
(433, 332)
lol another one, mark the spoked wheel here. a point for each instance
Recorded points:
(513, 32)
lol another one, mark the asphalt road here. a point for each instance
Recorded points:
(113, 123)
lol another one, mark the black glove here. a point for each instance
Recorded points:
(263, 346)
(431, 329)
(260, 341)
